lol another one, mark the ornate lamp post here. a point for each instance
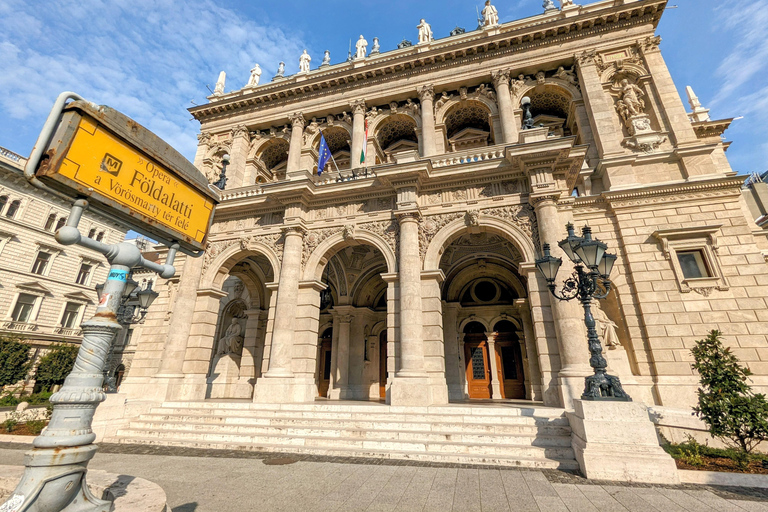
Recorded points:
(222, 183)
(590, 280)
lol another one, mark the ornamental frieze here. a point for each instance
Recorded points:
(430, 226)
(521, 215)
(389, 230)
(313, 239)
(274, 241)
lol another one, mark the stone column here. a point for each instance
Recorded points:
(305, 340)
(568, 315)
(603, 118)
(358, 132)
(340, 388)
(452, 355)
(276, 385)
(411, 384)
(434, 345)
(506, 109)
(495, 383)
(241, 144)
(427, 98)
(297, 141)
(534, 368)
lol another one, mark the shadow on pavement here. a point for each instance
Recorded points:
(187, 507)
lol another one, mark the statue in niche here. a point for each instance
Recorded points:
(255, 76)
(232, 341)
(361, 48)
(304, 61)
(326, 59)
(490, 14)
(606, 328)
(631, 96)
(425, 32)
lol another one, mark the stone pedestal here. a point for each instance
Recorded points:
(617, 441)
(225, 379)
(533, 135)
(642, 136)
(411, 391)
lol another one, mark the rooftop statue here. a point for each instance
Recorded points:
(280, 70)
(361, 46)
(304, 61)
(490, 14)
(549, 5)
(218, 90)
(376, 47)
(425, 32)
(565, 3)
(326, 59)
(255, 76)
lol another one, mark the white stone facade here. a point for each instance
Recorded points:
(47, 289)
(409, 278)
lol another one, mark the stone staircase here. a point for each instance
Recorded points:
(506, 435)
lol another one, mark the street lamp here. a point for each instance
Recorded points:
(222, 183)
(586, 284)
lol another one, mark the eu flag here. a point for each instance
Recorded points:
(325, 155)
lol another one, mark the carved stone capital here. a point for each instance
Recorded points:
(544, 199)
(426, 93)
(586, 58)
(295, 230)
(297, 120)
(650, 44)
(204, 139)
(408, 216)
(358, 107)
(500, 77)
(240, 131)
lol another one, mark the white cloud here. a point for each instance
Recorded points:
(146, 58)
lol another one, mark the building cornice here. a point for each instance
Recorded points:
(513, 37)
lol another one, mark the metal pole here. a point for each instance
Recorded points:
(54, 477)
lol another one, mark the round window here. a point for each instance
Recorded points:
(486, 291)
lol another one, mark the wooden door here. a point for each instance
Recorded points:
(509, 361)
(478, 366)
(324, 379)
(383, 364)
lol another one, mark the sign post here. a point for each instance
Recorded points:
(96, 157)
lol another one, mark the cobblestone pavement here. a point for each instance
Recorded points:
(233, 481)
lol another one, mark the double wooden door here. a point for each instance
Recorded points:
(509, 361)
(509, 366)
(478, 365)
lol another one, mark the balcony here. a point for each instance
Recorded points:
(19, 326)
(68, 331)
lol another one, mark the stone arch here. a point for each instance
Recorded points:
(448, 105)
(628, 70)
(394, 133)
(317, 261)
(501, 227)
(506, 318)
(339, 140)
(562, 87)
(468, 123)
(458, 281)
(470, 319)
(367, 285)
(219, 269)
(269, 156)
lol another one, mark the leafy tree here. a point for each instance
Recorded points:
(55, 365)
(14, 360)
(726, 401)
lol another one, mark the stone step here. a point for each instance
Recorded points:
(565, 464)
(359, 415)
(505, 427)
(507, 450)
(530, 437)
(361, 407)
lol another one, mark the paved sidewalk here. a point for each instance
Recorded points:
(212, 481)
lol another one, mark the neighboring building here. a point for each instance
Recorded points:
(410, 278)
(46, 289)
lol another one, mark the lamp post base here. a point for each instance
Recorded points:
(604, 387)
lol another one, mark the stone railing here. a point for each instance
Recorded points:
(240, 193)
(68, 331)
(468, 156)
(331, 177)
(19, 326)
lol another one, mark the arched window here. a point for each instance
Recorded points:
(61, 223)
(50, 222)
(100, 237)
(3, 202)
(13, 209)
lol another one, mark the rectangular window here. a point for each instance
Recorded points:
(84, 274)
(71, 315)
(25, 304)
(692, 264)
(41, 263)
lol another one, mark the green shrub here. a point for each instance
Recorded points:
(727, 404)
(55, 366)
(38, 398)
(36, 426)
(9, 401)
(10, 424)
(14, 360)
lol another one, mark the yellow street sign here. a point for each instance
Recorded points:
(101, 161)
(128, 172)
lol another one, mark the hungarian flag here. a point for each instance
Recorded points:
(365, 144)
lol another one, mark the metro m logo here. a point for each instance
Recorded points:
(111, 165)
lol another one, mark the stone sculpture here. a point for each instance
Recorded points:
(425, 32)
(255, 76)
(630, 96)
(606, 327)
(232, 341)
(280, 70)
(549, 5)
(361, 48)
(490, 14)
(566, 74)
(219, 88)
(304, 61)
(326, 59)
(565, 3)
(376, 47)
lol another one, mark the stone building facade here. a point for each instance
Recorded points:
(46, 289)
(410, 277)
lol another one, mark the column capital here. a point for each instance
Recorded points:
(544, 199)
(500, 77)
(240, 131)
(586, 58)
(358, 106)
(297, 120)
(650, 44)
(295, 230)
(426, 92)
(408, 216)
(204, 139)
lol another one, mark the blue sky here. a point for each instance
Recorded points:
(152, 58)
